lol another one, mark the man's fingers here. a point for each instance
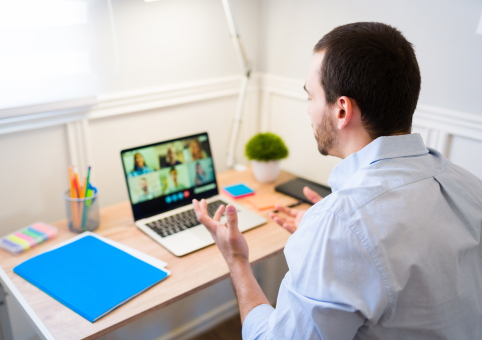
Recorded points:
(290, 226)
(278, 219)
(219, 213)
(286, 210)
(197, 208)
(311, 195)
(203, 217)
(231, 218)
(204, 206)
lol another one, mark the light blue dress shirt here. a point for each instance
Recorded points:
(393, 253)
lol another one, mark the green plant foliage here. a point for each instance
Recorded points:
(266, 147)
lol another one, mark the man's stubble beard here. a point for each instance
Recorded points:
(326, 135)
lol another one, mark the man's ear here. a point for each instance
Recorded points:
(344, 113)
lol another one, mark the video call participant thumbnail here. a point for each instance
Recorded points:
(201, 172)
(178, 179)
(146, 194)
(196, 150)
(140, 166)
(169, 159)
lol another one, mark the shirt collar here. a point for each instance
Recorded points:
(381, 148)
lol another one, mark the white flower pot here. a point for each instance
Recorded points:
(265, 172)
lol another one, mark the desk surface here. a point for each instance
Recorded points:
(190, 273)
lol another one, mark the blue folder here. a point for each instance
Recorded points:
(90, 276)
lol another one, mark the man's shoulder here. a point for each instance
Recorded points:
(371, 183)
(344, 202)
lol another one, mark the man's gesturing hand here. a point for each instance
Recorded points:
(292, 222)
(227, 236)
(234, 248)
(311, 195)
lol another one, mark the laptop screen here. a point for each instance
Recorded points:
(166, 175)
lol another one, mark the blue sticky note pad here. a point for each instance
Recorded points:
(239, 190)
(90, 276)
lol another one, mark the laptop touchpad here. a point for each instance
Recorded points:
(202, 233)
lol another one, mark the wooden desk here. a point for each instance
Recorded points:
(190, 273)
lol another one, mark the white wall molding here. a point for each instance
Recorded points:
(41, 120)
(48, 107)
(133, 102)
(272, 86)
(453, 122)
(177, 94)
(284, 86)
(438, 125)
(450, 122)
(79, 144)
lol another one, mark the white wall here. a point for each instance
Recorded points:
(33, 176)
(172, 41)
(448, 50)
(442, 32)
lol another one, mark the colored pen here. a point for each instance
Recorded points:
(292, 205)
(71, 181)
(87, 182)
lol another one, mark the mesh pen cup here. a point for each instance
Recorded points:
(82, 213)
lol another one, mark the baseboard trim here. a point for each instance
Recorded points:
(203, 323)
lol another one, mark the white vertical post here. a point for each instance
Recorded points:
(243, 60)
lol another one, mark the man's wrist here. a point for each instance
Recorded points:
(238, 262)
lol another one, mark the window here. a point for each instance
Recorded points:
(45, 56)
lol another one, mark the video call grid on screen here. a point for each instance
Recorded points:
(170, 173)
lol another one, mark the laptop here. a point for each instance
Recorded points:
(163, 179)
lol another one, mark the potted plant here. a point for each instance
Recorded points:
(265, 150)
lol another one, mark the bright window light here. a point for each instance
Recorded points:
(43, 65)
(18, 13)
(45, 54)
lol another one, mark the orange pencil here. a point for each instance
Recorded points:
(79, 188)
(73, 194)
(71, 182)
(78, 195)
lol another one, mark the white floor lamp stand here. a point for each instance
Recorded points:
(243, 60)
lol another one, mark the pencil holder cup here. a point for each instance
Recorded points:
(82, 213)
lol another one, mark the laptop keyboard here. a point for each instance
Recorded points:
(187, 219)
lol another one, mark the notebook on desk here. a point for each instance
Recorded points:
(90, 276)
(163, 179)
(294, 188)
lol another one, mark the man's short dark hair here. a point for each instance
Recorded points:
(376, 66)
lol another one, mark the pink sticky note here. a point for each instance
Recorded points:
(27, 238)
(44, 229)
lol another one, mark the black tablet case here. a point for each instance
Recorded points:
(294, 188)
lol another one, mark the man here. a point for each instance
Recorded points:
(176, 186)
(146, 194)
(170, 159)
(394, 252)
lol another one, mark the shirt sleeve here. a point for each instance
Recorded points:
(255, 324)
(333, 286)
